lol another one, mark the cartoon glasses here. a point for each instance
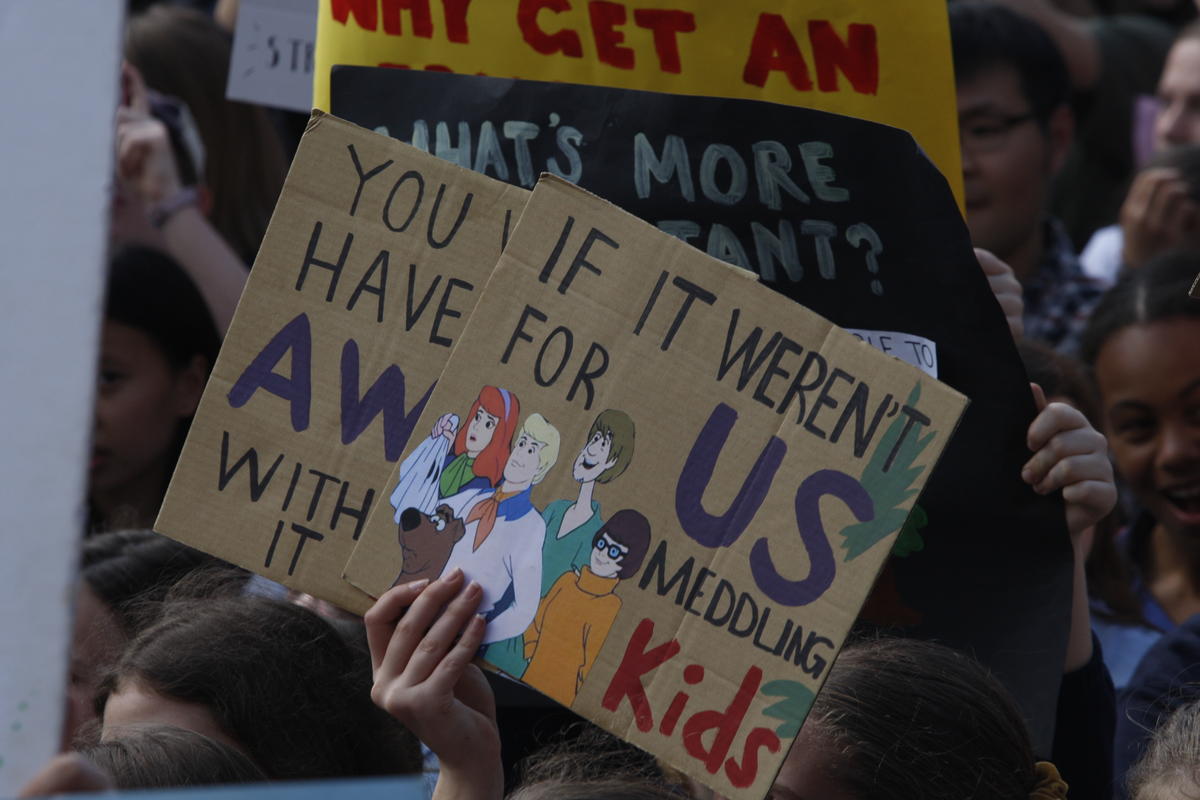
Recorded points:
(615, 551)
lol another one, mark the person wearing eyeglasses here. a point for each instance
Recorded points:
(1015, 128)
(575, 616)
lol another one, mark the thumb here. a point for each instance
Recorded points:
(1039, 397)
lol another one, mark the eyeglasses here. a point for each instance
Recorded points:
(614, 550)
(990, 134)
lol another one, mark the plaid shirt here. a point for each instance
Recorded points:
(1059, 297)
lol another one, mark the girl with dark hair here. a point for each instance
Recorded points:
(270, 678)
(1141, 345)
(124, 576)
(157, 346)
(901, 718)
(144, 757)
(162, 756)
(184, 53)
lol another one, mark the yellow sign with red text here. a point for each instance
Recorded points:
(882, 61)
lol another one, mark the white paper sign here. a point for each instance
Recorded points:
(272, 61)
(915, 350)
(59, 63)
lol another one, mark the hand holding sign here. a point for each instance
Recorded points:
(1071, 455)
(424, 678)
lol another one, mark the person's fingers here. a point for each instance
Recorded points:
(1146, 185)
(1010, 304)
(449, 670)
(67, 773)
(134, 86)
(1164, 206)
(1179, 219)
(1088, 502)
(411, 628)
(1039, 400)
(473, 691)
(132, 152)
(991, 263)
(1074, 469)
(441, 636)
(380, 620)
(1084, 441)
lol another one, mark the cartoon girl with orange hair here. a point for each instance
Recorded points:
(481, 446)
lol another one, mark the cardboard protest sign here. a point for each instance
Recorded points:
(886, 62)
(368, 271)
(55, 206)
(581, 467)
(849, 219)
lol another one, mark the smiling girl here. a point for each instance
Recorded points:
(1142, 345)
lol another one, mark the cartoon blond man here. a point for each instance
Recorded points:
(501, 547)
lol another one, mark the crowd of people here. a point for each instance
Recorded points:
(1080, 140)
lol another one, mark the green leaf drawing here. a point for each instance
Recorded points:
(889, 490)
(796, 698)
(910, 540)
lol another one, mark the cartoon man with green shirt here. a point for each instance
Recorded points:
(572, 524)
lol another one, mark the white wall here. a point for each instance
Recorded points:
(59, 67)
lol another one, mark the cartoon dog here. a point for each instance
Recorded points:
(426, 542)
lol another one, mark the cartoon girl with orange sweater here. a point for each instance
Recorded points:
(575, 616)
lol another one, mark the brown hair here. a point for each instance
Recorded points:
(133, 571)
(278, 680)
(161, 756)
(590, 764)
(1171, 765)
(632, 530)
(183, 53)
(910, 719)
(618, 427)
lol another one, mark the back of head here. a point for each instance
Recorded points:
(903, 719)
(277, 679)
(1154, 293)
(985, 36)
(151, 293)
(590, 764)
(184, 53)
(134, 570)
(1170, 769)
(162, 756)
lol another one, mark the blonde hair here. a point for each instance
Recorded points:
(1171, 766)
(536, 427)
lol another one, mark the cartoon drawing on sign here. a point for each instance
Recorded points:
(455, 458)
(501, 546)
(426, 541)
(575, 616)
(571, 524)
